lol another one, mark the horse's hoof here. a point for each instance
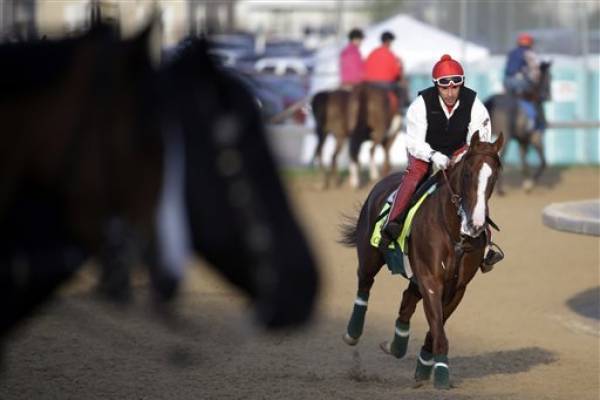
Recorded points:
(350, 340)
(441, 377)
(528, 185)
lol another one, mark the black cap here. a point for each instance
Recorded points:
(387, 36)
(356, 34)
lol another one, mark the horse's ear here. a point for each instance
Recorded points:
(499, 143)
(475, 140)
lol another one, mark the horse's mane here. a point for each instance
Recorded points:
(35, 65)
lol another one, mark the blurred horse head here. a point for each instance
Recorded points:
(102, 152)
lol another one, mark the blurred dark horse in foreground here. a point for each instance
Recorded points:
(103, 155)
(445, 248)
(508, 115)
(363, 113)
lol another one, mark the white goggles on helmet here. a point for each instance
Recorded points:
(446, 81)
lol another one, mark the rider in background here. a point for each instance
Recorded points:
(383, 68)
(522, 69)
(521, 74)
(351, 61)
(440, 123)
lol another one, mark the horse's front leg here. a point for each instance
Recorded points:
(432, 289)
(373, 170)
(527, 182)
(398, 346)
(333, 174)
(467, 270)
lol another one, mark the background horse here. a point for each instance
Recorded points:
(117, 153)
(510, 117)
(330, 109)
(445, 249)
(366, 112)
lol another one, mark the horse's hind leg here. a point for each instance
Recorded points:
(318, 156)
(398, 346)
(370, 262)
(538, 145)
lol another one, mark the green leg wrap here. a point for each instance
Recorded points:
(424, 366)
(400, 343)
(357, 320)
(441, 372)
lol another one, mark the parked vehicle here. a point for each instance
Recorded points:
(281, 66)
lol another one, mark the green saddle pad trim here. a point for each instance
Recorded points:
(403, 238)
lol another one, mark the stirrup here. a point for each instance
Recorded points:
(494, 255)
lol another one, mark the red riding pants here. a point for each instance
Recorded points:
(415, 171)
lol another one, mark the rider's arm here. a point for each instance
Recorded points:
(416, 130)
(480, 121)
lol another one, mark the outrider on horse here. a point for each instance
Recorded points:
(519, 112)
(103, 154)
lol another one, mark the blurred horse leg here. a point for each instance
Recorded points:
(333, 173)
(319, 107)
(527, 182)
(538, 145)
(373, 170)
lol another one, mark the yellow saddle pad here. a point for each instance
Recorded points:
(403, 238)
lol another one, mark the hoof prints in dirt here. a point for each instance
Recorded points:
(358, 374)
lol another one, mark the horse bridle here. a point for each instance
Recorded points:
(456, 199)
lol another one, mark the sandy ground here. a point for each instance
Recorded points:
(516, 335)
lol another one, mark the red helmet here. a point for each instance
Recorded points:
(525, 39)
(446, 67)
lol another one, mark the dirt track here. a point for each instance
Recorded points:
(515, 335)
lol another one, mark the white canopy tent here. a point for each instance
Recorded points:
(419, 45)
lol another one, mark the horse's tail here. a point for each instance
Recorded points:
(348, 231)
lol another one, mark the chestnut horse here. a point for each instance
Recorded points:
(366, 112)
(445, 249)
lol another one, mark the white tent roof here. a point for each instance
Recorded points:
(419, 45)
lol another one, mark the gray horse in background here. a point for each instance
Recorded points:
(508, 116)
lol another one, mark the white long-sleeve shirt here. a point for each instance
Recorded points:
(416, 126)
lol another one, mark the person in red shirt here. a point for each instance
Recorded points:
(383, 68)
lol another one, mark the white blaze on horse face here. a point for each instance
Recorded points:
(479, 211)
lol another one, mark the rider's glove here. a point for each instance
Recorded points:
(439, 160)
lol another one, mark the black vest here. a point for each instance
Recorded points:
(447, 135)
